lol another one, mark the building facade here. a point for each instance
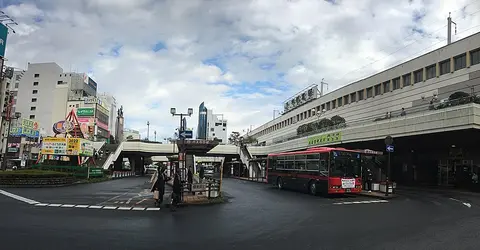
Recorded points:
(216, 127)
(202, 122)
(93, 117)
(110, 103)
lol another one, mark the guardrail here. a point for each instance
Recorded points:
(122, 174)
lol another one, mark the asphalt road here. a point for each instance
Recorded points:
(256, 217)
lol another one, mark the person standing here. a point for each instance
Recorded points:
(177, 191)
(159, 185)
(190, 178)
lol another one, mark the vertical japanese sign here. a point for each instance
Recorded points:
(3, 39)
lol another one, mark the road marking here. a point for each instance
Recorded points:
(124, 208)
(113, 198)
(95, 207)
(41, 204)
(153, 209)
(359, 202)
(54, 205)
(464, 203)
(138, 208)
(110, 208)
(140, 201)
(17, 197)
(128, 202)
(81, 206)
(67, 205)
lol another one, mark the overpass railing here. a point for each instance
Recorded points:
(423, 108)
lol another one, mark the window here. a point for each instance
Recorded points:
(61, 82)
(340, 101)
(360, 94)
(16, 85)
(34, 99)
(36, 75)
(33, 108)
(346, 100)
(333, 104)
(213, 134)
(396, 83)
(418, 76)
(369, 92)
(300, 162)
(34, 91)
(32, 116)
(431, 71)
(212, 129)
(475, 57)
(313, 162)
(353, 97)
(407, 80)
(386, 87)
(328, 106)
(323, 107)
(378, 89)
(460, 61)
(445, 67)
(35, 83)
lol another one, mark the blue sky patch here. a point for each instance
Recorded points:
(115, 50)
(261, 87)
(418, 16)
(215, 61)
(158, 46)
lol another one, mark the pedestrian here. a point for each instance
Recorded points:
(177, 191)
(201, 174)
(159, 186)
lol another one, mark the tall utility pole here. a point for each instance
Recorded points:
(449, 29)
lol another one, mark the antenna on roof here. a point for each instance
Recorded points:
(449, 28)
(321, 86)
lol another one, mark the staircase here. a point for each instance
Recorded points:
(245, 157)
(113, 156)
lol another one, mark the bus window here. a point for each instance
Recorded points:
(300, 162)
(289, 162)
(272, 161)
(324, 164)
(280, 162)
(313, 162)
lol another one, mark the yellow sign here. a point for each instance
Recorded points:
(53, 139)
(54, 146)
(73, 146)
(325, 138)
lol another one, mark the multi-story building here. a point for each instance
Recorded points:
(110, 103)
(45, 89)
(211, 126)
(93, 117)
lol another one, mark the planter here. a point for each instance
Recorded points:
(36, 181)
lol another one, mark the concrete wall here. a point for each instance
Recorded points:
(390, 100)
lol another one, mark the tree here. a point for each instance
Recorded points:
(234, 138)
(250, 139)
(338, 121)
(130, 137)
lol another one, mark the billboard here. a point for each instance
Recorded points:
(3, 39)
(67, 146)
(28, 128)
(305, 96)
(85, 112)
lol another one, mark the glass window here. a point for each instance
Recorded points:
(35, 83)
(378, 89)
(34, 91)
(360, 95)
(418, 76)
(345, 164)
(333, 104)
(353, 97)
(340, 102)
(300, 162)
(32, 116)
(36, 75)
(396, 83)
(369, 92)
(407, 80)
(475, 57)
(460, 61)
(346, 100)
(386, 87)
(445, 67)
(328, 106)
(431, 71)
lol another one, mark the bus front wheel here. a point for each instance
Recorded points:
(280, 183)
(312, 188)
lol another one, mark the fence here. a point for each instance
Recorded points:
(209, 186)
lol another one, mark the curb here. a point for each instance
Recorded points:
(261, 182)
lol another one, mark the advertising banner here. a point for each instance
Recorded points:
(73, 146)
(27, 132)
(86, 148)
(54, 146)
(85, 112)
(102, 109)
(102, 125)
(3, 39)
(325, 138)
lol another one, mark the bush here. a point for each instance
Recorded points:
(32, 173)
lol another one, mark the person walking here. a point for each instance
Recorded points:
(190, 179)
(177, 191)
(159, 186)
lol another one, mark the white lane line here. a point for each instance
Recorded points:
(129, 200)
(17, 197)
(138, 208)
(68, 205)
(464, 203)
(153, 209)
(95, 207)
(54, 205)
(110, 208)
(41, 204)
(81, 206)
(124, 208)
(359, 202)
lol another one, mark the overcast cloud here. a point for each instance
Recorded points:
(242, 57)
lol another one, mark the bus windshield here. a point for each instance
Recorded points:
(345, 164)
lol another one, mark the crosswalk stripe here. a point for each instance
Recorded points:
(110, 208)
(82, 206)
(67, 205)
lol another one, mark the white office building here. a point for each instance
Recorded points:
(216, 127)
(44, 90)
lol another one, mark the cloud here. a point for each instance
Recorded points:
(243, 58)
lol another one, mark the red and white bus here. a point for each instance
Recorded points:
(317, 170)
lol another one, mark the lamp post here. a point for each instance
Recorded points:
(148, 130)
(7, 116)
(155, 135)
(181, 129)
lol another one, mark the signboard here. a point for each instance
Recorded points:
(73, 146)
(61, 127)
(86, 148)
(85, 112)
(306, 95)
(3, 39)
(186, 134)
(90, 100)
(390, 148)
(27, 132)
(102, 109)
(30, 124)
(54, 146)
(325, 138)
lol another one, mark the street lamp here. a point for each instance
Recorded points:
(189, 113)
(155, 134)
(148, 131)
(7, 116)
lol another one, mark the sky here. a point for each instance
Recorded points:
(243, 58)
